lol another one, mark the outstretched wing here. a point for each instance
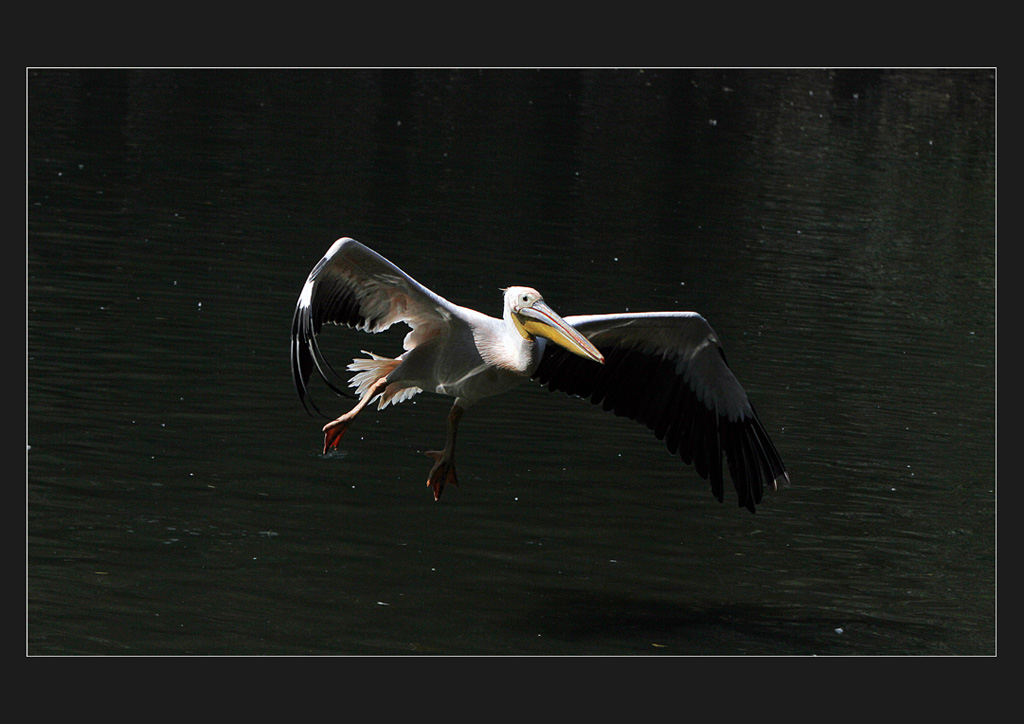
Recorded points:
(667, 371)
(357, 287)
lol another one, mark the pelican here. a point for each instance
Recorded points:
(666, 370)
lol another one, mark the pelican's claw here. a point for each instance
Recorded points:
(333, 432)
(443, 473)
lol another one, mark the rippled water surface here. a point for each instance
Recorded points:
(836, 228)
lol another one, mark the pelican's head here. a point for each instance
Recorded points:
(533, 318)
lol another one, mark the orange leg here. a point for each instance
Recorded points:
(443, 472)
(335, 430)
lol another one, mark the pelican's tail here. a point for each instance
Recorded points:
(370, 370)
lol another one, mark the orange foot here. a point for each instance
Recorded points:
(443, 473)
(333, 432)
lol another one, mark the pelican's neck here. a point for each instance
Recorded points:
(509, 346)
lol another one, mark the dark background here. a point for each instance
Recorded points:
(837, 228)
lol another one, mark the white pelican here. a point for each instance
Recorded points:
(665, 370)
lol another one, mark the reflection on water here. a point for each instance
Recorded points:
(836, 228)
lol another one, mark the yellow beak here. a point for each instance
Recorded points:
(540, 320)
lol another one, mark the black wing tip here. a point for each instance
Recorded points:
(305, 356)
(761, 465)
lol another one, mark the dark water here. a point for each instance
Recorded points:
(836, 228)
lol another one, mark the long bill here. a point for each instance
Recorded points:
(541, 320)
